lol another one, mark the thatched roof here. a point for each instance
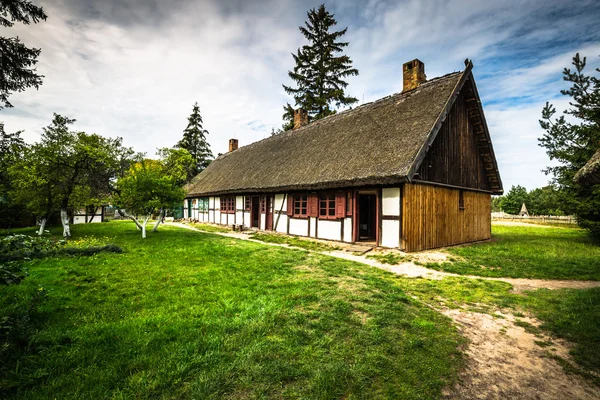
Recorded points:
(590, 173)
(376, 143)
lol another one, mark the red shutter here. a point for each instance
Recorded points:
(349, 204)
(313, 205)
(340, 204)
(290, 204)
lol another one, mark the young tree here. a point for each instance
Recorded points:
(512, 201)
(148, 188)
(573, 142)
(320, 71)
(194, 141)
(17, 72)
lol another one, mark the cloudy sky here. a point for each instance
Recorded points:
(133, 68)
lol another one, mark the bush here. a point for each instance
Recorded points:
(19, 243)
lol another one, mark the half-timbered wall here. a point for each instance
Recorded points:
(390, 217)
(453, 157)
(432, 216)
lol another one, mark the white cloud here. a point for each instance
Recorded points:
(134, 70)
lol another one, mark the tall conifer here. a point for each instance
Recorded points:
(194, 141)
(320, 72)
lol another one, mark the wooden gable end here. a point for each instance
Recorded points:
(455, 156)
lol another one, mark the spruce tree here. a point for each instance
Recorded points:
(194, 141)
(573, 142)
(320, 70)
(17, 61)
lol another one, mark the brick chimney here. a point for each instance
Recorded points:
(300, 118)
(413, 73)
(233, 144)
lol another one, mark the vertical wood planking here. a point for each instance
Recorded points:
(431, 217)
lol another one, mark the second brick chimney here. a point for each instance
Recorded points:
(413, 74)
(300, 118)
(233, 144)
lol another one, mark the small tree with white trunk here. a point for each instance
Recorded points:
(150, 187)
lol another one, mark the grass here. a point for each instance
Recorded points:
(390, 258)
(306, 244)
(529, 252)
(184, 314)
(210, 228)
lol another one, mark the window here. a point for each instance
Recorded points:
(203, 204)
(228, 204)
(461, 199)
(247, 203)
(327, 206)
(300, 205)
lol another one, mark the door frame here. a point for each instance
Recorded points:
(356, 214)
(254, 200)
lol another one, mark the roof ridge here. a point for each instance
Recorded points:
(332, 117)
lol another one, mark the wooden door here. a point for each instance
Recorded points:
(269, 213)
(255, 212)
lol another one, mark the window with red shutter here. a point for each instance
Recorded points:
(327, 206)
(298, 205)
(247, 203)
(228, 204)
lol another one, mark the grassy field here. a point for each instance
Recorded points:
(529, 252)
(184, 314)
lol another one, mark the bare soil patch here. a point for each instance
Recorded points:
(505, 362)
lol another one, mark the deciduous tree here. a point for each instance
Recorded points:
(17, 71)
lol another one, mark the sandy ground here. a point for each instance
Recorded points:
(532, 224)
(503, 360)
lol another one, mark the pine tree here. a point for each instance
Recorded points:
(573, 142)
(17, 61)
(319, 72)
(194, 141)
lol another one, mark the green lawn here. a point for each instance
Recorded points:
(529, 252)
(184, 314)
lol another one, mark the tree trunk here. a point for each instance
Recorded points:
(42, 226)
(64, 218)
(144, 226)
(131, 217)
(158, 221)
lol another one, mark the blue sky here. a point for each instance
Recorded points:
(133, 68)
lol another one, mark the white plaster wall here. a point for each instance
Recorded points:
(347, 230)
(239, 215)
(203, 217)
(313, 227)
(246, 219)
(330, 230)
(278, 201)
(390, 233)
(224, 218)
(282, 225)
(263, 221)
(239, 202)
(299, 226)
(391, 201)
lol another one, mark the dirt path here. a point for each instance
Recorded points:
(505, 362)
(503, 359)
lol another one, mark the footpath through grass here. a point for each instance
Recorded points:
(571, 314)
(184, 314)
(529, 252)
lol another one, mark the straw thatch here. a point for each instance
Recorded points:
(590, 173)
(376, 143)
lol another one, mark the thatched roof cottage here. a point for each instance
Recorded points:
(414, 170)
